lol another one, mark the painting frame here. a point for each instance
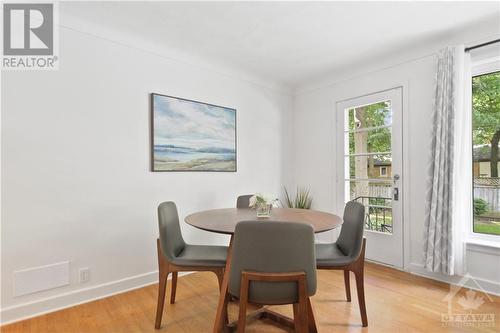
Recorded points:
(152, 133)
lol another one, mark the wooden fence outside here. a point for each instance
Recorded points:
(490, 194)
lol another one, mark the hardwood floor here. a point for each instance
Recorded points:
(396, 302)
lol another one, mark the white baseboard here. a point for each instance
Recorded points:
(488, 286)
(65, 300)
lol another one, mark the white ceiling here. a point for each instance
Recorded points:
(289, 42)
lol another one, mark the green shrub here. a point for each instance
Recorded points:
(480, 206)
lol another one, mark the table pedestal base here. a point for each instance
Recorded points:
(263, 313)
(266, 313)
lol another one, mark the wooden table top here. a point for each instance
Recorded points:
(223, 221)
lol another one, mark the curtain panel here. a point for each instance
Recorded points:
(449, 163)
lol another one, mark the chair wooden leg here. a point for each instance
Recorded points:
(299, 318)
(221, 316)
(174, 287)
(296, 316)
(242, 317)
(220, 277)
(310, 317)
(162, 285)
(359, 272)
(300, 311)
(347, 283)
(361, 296)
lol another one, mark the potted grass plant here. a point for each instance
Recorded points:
(302, 198)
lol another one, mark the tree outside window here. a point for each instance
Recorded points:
(486, 138)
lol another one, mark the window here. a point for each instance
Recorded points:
(486, 152)
(383, 171)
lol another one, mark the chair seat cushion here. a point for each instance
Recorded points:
(201, 255)
(330, 255)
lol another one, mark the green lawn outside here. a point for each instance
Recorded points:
(482, 226)
(490, 228)
(487, 228)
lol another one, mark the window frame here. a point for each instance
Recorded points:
(478, 68)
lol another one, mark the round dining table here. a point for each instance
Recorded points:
(223, 221)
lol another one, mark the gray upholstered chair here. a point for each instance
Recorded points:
(274, 263)
(348, 253)
(174, 255)
(243, 201)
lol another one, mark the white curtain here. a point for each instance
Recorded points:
(449, 203)
(462, 216)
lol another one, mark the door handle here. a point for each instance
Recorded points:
(395, 192)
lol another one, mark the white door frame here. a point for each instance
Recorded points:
(399, 231)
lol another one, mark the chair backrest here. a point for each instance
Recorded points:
(273, 247)
(243, 201)
(171, 239)
(350, 240)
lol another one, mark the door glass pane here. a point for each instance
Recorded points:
(377, 198)
(373, 115)
(369, 162)
(378, 140)
(379, 166)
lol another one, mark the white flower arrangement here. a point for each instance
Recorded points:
(262, 198)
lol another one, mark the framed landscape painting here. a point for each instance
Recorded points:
(192, 136)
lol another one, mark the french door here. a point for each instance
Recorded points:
(370, 169)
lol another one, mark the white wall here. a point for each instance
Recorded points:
(76, 183)
(315, 148)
